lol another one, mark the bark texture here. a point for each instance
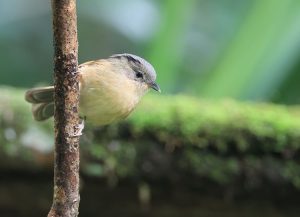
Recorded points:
(66, 118)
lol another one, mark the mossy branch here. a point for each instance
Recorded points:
(223, 142)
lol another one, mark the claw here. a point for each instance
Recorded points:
(79, 128)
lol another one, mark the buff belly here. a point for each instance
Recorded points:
(107, 98)
(101, 109)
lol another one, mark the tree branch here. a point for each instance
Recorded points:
(66, 118)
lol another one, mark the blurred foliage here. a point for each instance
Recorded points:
(211, 49)
(265, 46)
(19, 135)
(243, 49)
(184, 139)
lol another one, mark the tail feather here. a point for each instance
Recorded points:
(42, 102)
(40, 95)
(43, 111)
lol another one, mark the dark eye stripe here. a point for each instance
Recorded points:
(128, 57)
(132, 59)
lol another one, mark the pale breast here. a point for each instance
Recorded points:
(106, 96)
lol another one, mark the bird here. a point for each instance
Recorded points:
(109, 89)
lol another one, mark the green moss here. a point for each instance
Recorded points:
(199, 122)
(171, 136)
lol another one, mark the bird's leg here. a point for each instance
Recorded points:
(80, 127)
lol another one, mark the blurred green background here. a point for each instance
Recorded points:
(243, 49)
(233, 158)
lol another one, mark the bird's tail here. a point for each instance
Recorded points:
(42, 100)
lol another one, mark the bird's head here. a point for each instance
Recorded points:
(139, 70)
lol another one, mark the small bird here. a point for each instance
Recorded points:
(109, 88)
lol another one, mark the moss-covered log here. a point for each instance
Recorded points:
(170, 139)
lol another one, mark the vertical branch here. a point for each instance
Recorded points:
(66, 118)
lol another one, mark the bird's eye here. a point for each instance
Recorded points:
(139, 74)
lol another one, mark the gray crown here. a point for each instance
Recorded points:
(138, 60)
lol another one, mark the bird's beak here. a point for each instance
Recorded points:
(155, 86)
